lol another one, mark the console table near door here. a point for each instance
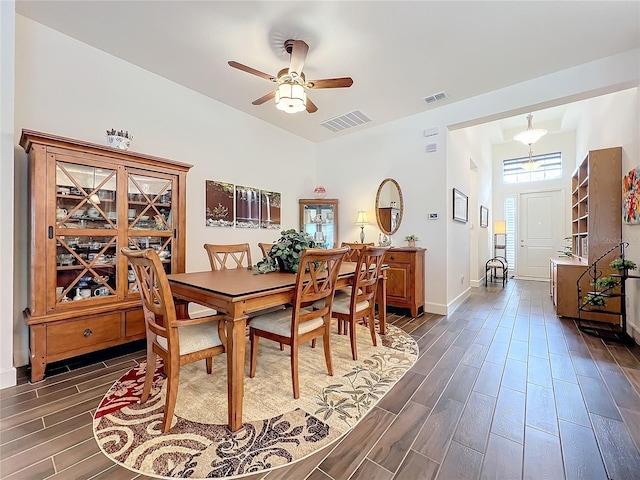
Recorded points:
(405, 278)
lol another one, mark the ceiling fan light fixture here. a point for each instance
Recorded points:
(530, 135)
(291, 98)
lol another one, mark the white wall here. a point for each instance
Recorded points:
(613, 121)
(7, 66)
(472, 144)
(68, 88)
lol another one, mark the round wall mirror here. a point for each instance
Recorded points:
(389, 206)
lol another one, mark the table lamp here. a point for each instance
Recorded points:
(362, 220)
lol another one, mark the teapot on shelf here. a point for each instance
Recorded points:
(61, 213)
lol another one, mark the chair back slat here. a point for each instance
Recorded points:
(354, 250)
(264, 248)
(316, 279)
(368, 266)
(222, 257)
(155, 292)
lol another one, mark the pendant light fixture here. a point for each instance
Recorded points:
(529, 137)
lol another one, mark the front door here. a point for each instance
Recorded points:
(541, 231)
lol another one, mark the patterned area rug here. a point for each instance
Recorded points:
(277, 429)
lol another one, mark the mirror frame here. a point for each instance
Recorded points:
(400, 207)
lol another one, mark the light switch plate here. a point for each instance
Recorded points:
(433, 216)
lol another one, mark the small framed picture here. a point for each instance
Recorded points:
(484, 216)
(460, 206)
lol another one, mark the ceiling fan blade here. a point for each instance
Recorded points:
(331, 83)
(311, 107)
(250, 70)
(298, 56)
(264, 98)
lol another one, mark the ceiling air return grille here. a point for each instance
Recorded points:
(436, 97)
(348, 120)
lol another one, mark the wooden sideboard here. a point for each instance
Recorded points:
(405, 278)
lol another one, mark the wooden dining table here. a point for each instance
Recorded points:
(239, 293)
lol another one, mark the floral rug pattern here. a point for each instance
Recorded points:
(130, 433)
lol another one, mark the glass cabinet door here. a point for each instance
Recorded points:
(86, 233)
(150, 218)
(319, 219)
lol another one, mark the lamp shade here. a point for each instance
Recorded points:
(530, 135)
(500, 227)
(291, 98)
(362, 218)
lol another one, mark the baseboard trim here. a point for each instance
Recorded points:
(477, 283)
(437, 308)
(634, 332)
(8, 377)
(456, 302)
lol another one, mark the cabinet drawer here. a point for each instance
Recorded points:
(398, 257)
(134, 322)
(77, 334)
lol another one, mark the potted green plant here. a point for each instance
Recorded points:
(594, 300)
(622, 265)
(286, 252)
(605, 283)
(411, 239)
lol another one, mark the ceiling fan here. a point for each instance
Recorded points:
(291, 94)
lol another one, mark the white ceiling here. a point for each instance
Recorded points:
(396, 52)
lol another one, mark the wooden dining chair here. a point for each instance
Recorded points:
(299, 323)
(222, 257)
(265, 247)
(360, 302)
(354, 250)
(177, 341)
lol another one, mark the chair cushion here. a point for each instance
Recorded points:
(496, 264)
(279, 322)
(342, 302)
(195, 337)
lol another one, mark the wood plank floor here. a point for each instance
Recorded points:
(503, 389)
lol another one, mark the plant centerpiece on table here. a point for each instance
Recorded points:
(623, 265)
(286, 252)
(595, 300)
(411, 239)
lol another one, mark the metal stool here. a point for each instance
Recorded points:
(492, 267)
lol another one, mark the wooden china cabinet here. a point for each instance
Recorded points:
(86, 202)
(319, 218)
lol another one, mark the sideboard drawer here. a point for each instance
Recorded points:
(77, 334)
(399, 257)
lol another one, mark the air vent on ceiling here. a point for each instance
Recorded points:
(348, 120)
(436, 97)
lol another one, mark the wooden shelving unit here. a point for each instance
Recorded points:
(596, 226)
